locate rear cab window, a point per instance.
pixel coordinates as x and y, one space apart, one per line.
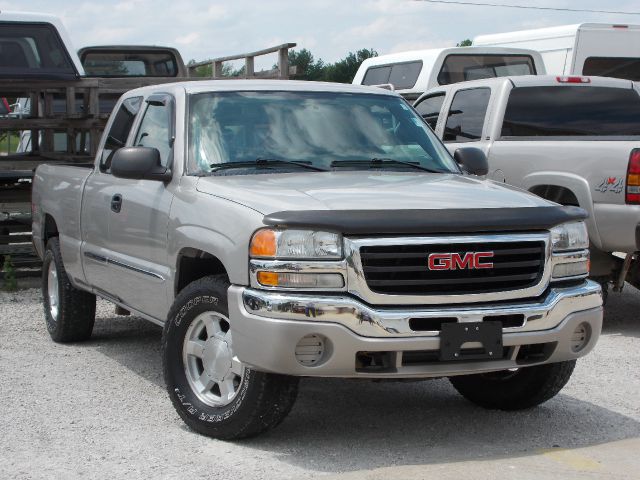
129 63
466 115
460 68
33 50
627 68
400 75
571 111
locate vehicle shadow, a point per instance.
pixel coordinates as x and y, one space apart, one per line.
345 425
621 313
133 342
340 425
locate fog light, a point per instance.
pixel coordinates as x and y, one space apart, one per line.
310 350
300 280
580 337
572 269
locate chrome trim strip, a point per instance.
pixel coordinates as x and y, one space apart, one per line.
297 266
110 261
357 285
387 322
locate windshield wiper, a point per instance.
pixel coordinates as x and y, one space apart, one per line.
380 162
263 163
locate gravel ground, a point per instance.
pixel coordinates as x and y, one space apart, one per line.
99 410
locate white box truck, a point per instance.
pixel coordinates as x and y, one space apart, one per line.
597 49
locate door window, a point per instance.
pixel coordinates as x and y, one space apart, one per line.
429 108
119 131
466 115
155 130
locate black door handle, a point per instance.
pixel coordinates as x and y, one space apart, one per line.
116 203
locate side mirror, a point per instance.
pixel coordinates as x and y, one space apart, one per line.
473 160
139 163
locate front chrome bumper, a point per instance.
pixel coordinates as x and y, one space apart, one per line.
268 325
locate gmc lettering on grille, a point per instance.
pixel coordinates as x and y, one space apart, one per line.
457 261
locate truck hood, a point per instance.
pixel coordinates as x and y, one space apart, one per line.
364 190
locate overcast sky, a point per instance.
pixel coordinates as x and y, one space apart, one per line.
329 28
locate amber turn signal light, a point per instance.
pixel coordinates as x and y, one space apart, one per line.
263 244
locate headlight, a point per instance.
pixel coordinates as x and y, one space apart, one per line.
294 244
569 236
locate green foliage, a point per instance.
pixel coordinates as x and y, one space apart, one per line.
308 67
464 43
341 71
10 280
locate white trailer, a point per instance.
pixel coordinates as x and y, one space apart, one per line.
597 49
414 72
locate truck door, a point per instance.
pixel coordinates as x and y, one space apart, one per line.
96 199
138 218
465 121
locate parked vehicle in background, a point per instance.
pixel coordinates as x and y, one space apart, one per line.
280 229
572 140
132 61
599 49
412 73
34 45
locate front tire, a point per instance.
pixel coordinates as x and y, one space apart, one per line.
214 393
515 389
69 312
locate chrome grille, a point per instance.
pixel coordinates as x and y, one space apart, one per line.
403 269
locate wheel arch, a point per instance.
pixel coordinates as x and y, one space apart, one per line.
566 189
193 264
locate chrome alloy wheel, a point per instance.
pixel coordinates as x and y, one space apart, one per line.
213 372
53 291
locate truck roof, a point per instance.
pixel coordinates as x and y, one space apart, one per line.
540 81
559 31
30 17
201 86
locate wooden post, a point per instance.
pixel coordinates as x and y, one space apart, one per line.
34 99
217 69
47 134
283 63
249 68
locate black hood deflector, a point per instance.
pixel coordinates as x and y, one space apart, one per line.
425 221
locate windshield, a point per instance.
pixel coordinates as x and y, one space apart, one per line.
321 129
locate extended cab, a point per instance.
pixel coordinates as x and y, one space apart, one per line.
572 140
280 229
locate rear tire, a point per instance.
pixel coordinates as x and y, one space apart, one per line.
214 393
515 390
70 313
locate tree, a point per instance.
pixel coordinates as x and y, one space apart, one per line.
464 43
344 70
308 67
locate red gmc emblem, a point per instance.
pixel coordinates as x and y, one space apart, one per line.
454 261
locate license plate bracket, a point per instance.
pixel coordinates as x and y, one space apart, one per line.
454 335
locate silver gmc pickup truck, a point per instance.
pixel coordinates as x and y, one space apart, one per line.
279 229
